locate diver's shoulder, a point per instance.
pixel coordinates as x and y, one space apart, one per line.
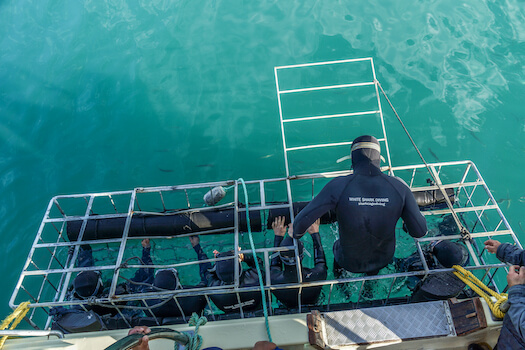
396 180
342 178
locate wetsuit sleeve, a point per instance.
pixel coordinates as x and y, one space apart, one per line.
276 260
319 257
325 201
248 259
412 217
320 268
145 275
250 277
517 308
511 254
212 280
146 256
85 256
203 267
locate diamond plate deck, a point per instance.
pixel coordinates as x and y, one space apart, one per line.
388 323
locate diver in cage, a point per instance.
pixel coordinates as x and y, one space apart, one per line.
89 284
223 274
283 269
368 205
168 280
438 254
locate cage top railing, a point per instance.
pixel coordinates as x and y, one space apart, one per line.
369 77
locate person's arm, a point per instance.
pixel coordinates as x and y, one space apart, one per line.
203 267
509 253
248 259
145 275
85 256
415 221
325 201
279 229
516 313
320 267
276 260
144 341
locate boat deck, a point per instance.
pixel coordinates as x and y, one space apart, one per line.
289 331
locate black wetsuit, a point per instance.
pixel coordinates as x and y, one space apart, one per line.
368 205
281 274
188 304
249 300
144 275
437 286
512 331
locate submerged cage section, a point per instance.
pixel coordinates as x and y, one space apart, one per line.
114 224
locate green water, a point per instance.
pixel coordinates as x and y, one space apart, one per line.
112 95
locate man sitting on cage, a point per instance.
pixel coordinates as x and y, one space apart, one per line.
223 274
283 269
438 254
368 205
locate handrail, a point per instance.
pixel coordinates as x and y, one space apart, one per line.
31 333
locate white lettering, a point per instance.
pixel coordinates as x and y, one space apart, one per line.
238 306
372 201
384 200
372 204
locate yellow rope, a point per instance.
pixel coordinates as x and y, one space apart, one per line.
14 319
479 287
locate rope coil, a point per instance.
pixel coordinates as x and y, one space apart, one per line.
195 342
498 308
14 319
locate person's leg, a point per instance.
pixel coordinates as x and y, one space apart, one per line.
368 287
338 270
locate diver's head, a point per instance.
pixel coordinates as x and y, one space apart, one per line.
288 256
225 269
449 253
366 149
88 284
167 279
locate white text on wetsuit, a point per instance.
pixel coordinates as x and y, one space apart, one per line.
369 201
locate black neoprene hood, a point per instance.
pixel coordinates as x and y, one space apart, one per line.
366 149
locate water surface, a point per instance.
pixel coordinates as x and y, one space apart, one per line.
110 95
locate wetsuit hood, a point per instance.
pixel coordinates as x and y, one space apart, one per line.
225 269
87 284
366 151
450 253
167 279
